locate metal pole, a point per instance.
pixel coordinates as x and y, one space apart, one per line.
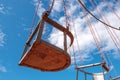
41 26
77 74
65 42
103 73
60 27
27 45
90 65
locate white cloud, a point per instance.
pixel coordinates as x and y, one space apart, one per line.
2 9
40 9
80 28
2 36
5 9
3 69
58 5
84 36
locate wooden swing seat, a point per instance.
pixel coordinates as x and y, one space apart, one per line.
45 57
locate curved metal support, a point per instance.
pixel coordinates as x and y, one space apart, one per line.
39 29
58 26
96 17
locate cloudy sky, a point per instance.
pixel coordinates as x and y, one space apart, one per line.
15 24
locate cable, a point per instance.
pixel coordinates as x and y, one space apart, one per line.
94 36
115 1
117 37
50 10
74 57
107 54
96 17
34 17
111 64
65 14
77 40
48 13
109 31
110 7
67 26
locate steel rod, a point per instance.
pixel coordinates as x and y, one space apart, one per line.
90 65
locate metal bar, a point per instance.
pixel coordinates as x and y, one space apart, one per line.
96 17
58 26
65 42
90 65
103 72
41 26
77 74
33 34
27 45
25 50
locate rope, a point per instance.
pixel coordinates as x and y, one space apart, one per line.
109 6
35 14
74 57
96 40
34 17
94 36
67 21
67 26
65 14
65 37
115 72
78 46
109 31
115 1
48 13
77 40
91 2
114 39
116 36
46 24
96 17
50 10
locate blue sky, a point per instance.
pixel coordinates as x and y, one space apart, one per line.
15 21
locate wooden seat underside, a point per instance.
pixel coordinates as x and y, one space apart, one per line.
45 57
